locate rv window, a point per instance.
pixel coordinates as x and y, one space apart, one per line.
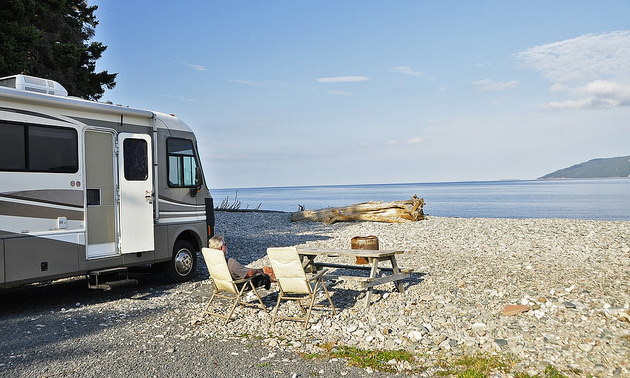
52 149
12 148
38 148
182 163
135 155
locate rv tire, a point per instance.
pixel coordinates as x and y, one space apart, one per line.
183 264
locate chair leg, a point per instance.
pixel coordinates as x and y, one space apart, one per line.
205 310
275 311
262 305
329 299
237 300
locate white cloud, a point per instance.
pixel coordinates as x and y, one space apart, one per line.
491 85
598 94
408 71
196 67
180 98
608 90
592 69
588 57
394 142
342 79
251 83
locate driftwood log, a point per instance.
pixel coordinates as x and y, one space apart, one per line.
390 212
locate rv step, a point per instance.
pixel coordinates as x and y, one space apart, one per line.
98 279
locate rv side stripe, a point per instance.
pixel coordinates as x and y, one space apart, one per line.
177 220
29 210
61 197
170 205
34 114
175 202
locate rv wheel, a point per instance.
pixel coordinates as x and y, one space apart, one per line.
182 266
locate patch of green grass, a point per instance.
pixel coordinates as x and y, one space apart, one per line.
552 372
469 366
310 356
474 366
481 366
374 359
264 364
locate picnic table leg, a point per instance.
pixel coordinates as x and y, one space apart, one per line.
308 263
396 270
373 271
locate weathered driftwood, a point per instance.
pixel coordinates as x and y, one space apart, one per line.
390 212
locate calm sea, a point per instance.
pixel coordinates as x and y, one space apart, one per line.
602 199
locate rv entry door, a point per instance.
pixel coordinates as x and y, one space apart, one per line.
136 193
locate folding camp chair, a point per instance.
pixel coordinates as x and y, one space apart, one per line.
225 286
295 284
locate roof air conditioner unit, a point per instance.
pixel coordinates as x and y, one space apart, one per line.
33 84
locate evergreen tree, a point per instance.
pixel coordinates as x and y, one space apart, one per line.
52 39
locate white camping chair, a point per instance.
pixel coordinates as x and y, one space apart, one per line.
225 286
295 284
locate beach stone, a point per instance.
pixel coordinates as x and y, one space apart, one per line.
510 310
415 335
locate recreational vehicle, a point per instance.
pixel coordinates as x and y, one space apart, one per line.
88 188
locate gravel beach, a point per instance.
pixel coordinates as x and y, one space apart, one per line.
568 278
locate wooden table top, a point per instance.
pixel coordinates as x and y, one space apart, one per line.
333 252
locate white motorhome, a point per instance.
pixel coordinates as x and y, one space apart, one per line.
89 187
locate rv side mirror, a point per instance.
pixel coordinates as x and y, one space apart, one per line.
198 176
198 182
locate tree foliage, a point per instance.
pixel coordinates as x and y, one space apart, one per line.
53 39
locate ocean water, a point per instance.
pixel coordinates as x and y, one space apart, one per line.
599 199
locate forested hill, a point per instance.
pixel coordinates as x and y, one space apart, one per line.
609 167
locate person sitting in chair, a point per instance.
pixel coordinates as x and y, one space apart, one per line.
238 270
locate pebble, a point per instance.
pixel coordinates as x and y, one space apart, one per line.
566 280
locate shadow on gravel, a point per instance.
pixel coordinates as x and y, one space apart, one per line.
62 321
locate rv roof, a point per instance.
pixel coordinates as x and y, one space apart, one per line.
12 94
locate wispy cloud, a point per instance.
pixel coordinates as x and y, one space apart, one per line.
251 83
342 79
408 71
588 57
592 69
395 142
491 85
180 98
196 67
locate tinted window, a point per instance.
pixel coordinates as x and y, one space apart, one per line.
52 149
12 147
135 155
38 148
182 162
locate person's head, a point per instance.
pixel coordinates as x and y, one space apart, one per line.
217 242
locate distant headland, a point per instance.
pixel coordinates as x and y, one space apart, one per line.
596 168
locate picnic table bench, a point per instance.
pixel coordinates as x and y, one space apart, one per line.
387 274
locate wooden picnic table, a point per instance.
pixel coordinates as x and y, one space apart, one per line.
374 257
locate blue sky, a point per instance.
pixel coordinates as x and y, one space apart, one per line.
289 93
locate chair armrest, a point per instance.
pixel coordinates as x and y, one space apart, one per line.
316 276
243 280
